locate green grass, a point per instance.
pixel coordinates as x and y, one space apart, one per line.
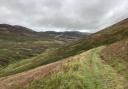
69 76
109 35
87 72
23 65
116 55
119 65
14 51
99 75
16 46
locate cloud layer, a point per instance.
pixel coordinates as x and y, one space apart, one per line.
61 15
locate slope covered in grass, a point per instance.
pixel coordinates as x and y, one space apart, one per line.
116 55
84 71
107 36
23 65
11 52
18 81
17 42
89 70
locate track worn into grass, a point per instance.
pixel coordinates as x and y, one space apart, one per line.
99 75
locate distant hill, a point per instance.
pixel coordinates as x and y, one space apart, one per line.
18 42
9 31
15 30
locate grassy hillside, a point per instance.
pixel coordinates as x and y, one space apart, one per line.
84 71
87 70
15 51
17 42
107 36
103 67
116 55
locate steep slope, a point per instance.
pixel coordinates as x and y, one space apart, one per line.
83 71
107 36
116 55
21 79
87 71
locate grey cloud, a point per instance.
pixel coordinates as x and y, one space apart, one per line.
91 15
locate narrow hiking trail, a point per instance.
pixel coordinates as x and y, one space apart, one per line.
99 75
92 72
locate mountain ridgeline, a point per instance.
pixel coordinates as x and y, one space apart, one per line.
20 32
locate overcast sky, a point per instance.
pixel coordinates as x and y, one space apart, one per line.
61 15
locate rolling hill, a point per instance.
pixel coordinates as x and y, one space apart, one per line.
96 61
17 42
